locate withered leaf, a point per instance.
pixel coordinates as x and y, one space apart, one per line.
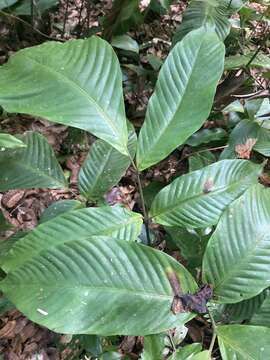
243 150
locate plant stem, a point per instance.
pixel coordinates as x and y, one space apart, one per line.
29 26
145 214
214 336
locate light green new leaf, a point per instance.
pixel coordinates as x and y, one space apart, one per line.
244 310
77 83
34 166
8 141
6 3
99 286
104 166
197 199
243 342
153 347
79 224
237 257
209 14
183 96
262 314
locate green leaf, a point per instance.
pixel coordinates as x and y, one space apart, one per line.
187 352
24 7
4 225
262 314
153 347
58 208
77 83
263 142
208 14
200 160
244 342
32 167
10 142
6 245
238 61
99 286
5 305
183 96
197 199
123 15
206 136
104 167
190 243
244 310
237 257
6 3
125 42
79 224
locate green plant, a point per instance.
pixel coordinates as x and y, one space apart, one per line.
84 270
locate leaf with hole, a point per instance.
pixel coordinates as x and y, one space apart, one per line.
34 166
78 83
183 96
237 258
96 286
197 199
78 224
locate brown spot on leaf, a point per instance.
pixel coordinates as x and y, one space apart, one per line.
174 282
208 186
243 150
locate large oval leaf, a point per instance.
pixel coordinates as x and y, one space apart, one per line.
77 83
33 166
99 286
79 224
198 199
242 342
183 96
209 14
237 257
104 166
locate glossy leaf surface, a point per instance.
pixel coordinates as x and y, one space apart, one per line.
10 142
33 166
237 257
77 83
104 166
183 96
97 286
79 224
197 199
243 342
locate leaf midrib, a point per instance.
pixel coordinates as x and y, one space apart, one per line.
160 134
88 287
82 91
231 344
244 259
202 194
